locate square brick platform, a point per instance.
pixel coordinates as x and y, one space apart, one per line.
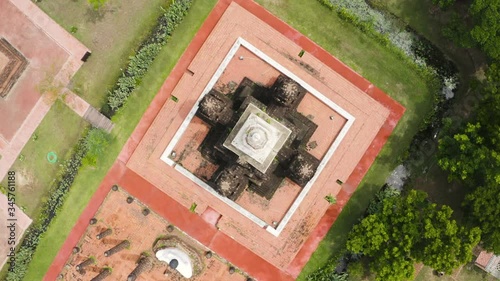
141 172
369 116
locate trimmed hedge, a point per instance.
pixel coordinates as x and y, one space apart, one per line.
50 209
139 63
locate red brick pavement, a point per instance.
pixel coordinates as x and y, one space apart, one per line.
193 224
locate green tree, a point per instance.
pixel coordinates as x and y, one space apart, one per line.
411 229
392 266
465 155
472 155
486 30
96 142
443 244
483 209
458 31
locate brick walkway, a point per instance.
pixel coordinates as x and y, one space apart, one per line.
201 227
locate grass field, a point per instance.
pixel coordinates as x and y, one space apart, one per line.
112 34
88 179
381 67
58 132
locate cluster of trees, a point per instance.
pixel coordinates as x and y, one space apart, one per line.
410 229
399 231
479 27
471 153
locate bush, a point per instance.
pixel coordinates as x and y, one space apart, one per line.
322 275
97 4
139 63
50 209
96 142
376 204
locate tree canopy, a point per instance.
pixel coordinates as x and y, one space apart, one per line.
480 26
472 155
484 209
410 229
486 30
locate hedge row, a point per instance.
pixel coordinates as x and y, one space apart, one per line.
139 63
56 198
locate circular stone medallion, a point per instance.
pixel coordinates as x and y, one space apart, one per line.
256 137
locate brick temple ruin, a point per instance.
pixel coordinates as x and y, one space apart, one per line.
257 137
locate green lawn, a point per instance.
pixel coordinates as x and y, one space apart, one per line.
58 132
88 179
112 34
382 68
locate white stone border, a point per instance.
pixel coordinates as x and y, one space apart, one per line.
350 120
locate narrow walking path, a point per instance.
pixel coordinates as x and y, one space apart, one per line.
94 117
86 111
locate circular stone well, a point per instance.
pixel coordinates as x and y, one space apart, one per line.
183 265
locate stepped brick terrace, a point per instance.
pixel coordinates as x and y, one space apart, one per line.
268 238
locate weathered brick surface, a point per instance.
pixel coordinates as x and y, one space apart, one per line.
128 223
